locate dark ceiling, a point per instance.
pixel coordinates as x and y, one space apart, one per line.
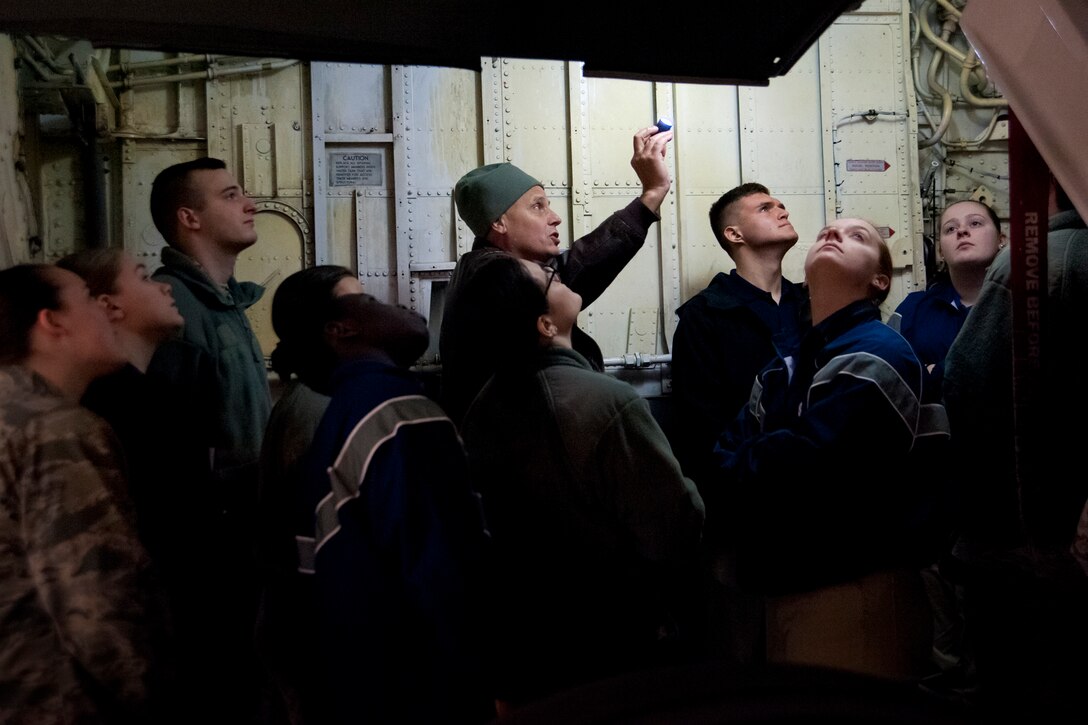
743 43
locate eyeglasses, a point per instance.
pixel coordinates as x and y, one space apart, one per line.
551 273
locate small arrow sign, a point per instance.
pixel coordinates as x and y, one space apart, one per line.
886 232
867 165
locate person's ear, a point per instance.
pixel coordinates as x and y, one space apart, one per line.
1001 241
113 312
546 327
882 282
188 218
497 233
733 234
50 324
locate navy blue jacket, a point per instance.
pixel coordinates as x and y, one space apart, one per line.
393 534
930 320
726 334
824 467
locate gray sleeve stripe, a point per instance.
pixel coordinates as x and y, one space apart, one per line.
305 546
350 468
876 370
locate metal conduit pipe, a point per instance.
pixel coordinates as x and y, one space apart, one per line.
946 97
969 95
916 63
940 42
43 73
630 361
207 74
104 81
84 122
45 54
946 118
929 117
164 62
982 137
952 9
948 26
636 360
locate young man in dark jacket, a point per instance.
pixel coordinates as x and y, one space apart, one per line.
724 337
217 365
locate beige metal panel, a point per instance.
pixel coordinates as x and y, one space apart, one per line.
282 248
257 124
256 173
357 99
780 146
668 232
17 216
438 113
238 106
375 243
170 109
63 203
341 249
614 111
141 162
535 132
808 214
351 114
221 129
351 106
780 131
436 131
707 152
869 136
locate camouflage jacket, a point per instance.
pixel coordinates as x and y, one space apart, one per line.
75 612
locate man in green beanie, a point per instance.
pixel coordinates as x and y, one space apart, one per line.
510 214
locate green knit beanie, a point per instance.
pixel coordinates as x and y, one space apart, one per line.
484 194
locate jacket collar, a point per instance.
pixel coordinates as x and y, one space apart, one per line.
836 324
727 291
185 268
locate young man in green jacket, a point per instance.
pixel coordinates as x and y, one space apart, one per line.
217 365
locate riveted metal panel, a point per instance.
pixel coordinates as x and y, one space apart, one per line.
174 109
524 121
256 176
581 199
707 151
351 109
366 108
282 248
669 233
141 162
534 119
780 131
869 129
642 328
374 242
220 121
18 223
440 141
614 110
781 148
